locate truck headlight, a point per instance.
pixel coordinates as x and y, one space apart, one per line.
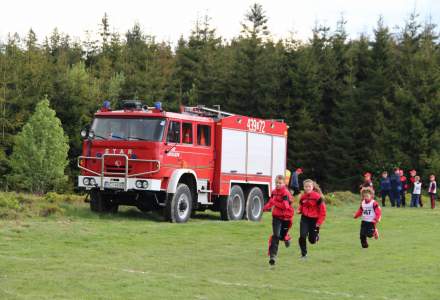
138 184
145 184
86 181
92 181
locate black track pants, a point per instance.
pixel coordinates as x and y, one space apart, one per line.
367 231
307 228
280 229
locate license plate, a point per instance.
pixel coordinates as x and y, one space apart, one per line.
114 185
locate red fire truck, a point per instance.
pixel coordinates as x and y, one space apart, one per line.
197 159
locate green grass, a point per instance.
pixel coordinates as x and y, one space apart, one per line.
80 255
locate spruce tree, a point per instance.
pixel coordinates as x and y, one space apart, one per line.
40 150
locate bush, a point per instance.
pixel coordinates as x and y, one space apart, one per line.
16 205
341 198
9 201
61 198
48 209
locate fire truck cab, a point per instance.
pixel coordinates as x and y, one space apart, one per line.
197 159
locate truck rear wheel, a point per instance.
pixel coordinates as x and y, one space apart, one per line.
101 203
254 205
232 208
179 205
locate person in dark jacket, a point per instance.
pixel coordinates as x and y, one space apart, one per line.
313 212
396 188
294 183
282 217
385 188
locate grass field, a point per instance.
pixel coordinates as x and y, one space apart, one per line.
132 255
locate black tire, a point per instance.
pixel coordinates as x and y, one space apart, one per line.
232 208
254 205
101 203
179 205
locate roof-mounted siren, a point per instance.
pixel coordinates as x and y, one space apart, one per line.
106 106
157 106
132 105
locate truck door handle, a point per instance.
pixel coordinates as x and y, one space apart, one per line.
259 173
233 171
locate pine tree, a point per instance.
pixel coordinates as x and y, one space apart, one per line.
39 155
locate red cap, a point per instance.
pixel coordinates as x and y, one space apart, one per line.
299 171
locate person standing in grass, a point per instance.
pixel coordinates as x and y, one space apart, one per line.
294 183
385 187
404 187
412 179
368 182
416 192
313 212
432 190
371 214
396 187
282 217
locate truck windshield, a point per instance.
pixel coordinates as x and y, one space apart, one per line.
142 129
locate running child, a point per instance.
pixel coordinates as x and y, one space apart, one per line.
313 211
371 214
282 217
432 190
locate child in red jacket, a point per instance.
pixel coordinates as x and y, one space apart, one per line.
313 211
371 214
282 217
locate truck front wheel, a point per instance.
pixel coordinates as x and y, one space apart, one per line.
232 208
179 205
101 203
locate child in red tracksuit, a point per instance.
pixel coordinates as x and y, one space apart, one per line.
371 214
313 211
282 217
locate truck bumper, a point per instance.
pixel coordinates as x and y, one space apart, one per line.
118 183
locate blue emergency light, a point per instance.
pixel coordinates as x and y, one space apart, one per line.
158 105
106 105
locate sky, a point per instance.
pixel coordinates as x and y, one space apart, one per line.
168 20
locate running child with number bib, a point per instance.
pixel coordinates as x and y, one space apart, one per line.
282 217
371 214
313 211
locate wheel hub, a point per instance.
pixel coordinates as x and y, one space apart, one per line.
236 205
256 206
182 206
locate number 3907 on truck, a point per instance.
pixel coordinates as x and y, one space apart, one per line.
197 159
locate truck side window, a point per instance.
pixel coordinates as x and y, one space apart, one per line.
187 133
174 132
203 135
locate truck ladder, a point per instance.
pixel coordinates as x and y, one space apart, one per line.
201 110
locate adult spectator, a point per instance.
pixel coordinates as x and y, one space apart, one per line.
396 188
385 188
294 183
